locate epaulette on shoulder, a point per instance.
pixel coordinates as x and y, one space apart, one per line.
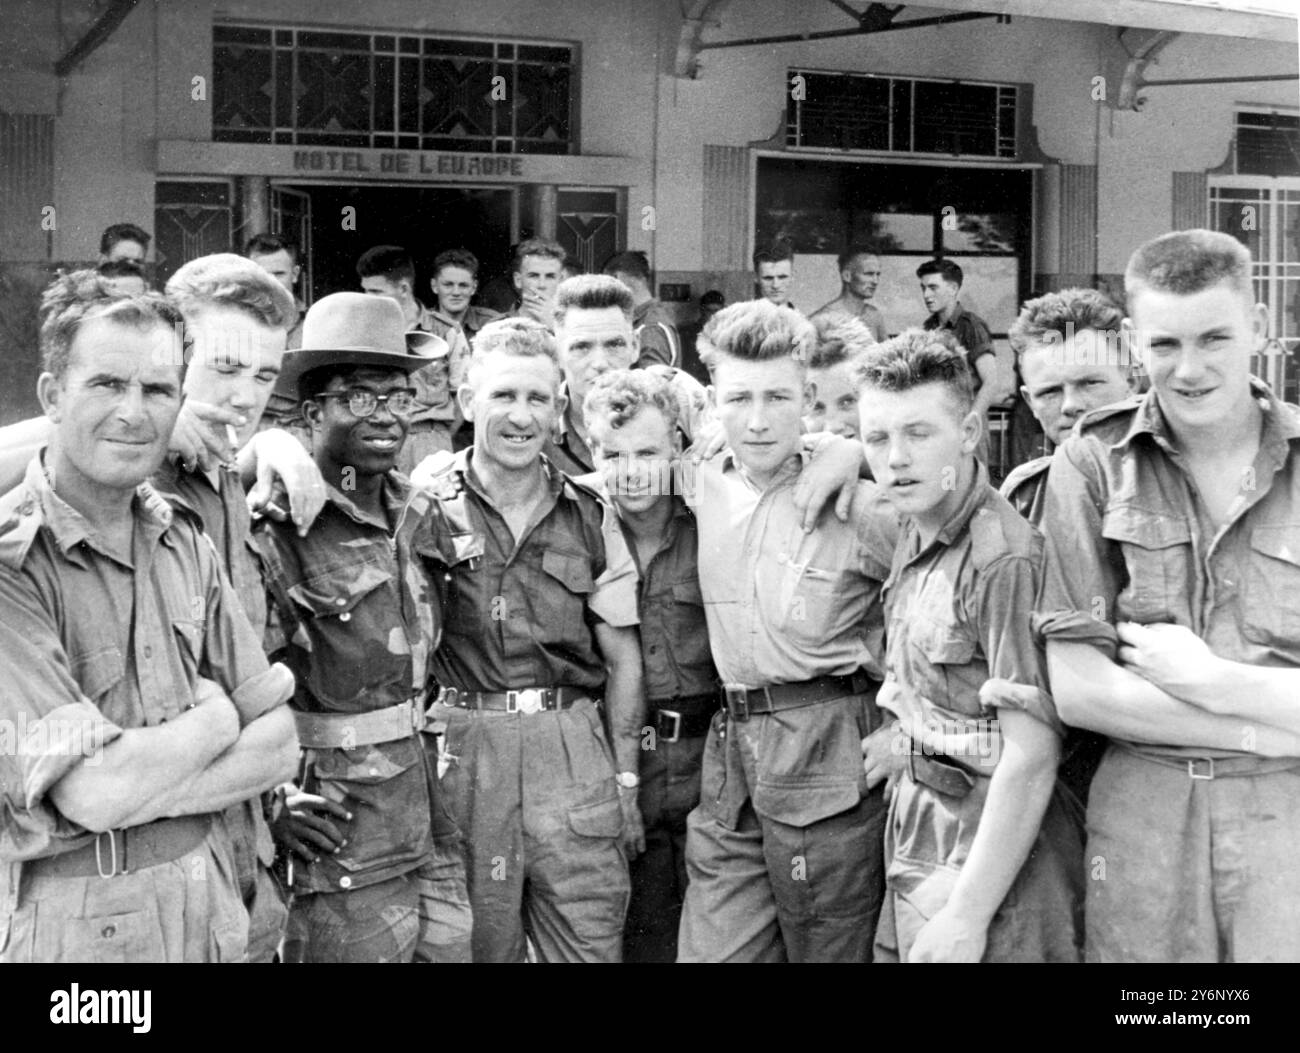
20 519
1024 473
579 485
1110 414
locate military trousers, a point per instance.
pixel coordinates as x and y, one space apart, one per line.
1183 869
784 853
536 802
670 788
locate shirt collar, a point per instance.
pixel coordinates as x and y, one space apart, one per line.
971 500
464 467
1281 422
70 528
789 471
393 493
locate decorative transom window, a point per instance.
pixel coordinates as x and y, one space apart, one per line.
911 115
411 92
1268 143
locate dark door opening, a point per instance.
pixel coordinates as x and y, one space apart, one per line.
423 220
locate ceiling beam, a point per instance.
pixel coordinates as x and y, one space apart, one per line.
862 30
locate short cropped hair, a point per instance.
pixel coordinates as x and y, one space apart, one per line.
946 269
123 232
618 396
915 357
537 247
269 245
843 339
852 253
226 280
774 252
387 261
756 331
591 292
462 258
513 336
1057 316
713 298
1188 261
75 298
634 264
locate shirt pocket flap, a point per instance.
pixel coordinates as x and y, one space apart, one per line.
1136 526
341 590
1279 541
688 592
574 572
601 819
804 803
943 645
97 671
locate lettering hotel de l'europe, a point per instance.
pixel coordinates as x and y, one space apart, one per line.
410 162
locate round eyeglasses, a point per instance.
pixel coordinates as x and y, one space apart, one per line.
363 403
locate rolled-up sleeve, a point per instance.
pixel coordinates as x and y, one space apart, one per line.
1017 670
1082 574
47 724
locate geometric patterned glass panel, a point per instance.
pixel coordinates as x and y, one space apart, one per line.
190 220
589 224
309 87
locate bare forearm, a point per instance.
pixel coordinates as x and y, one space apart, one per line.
625 699
1013 812
144 766
265 755
1262 695
1093 692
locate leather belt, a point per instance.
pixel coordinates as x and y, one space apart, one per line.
346 730
686 717
939 774
117 852
1207 768
742 702
520 700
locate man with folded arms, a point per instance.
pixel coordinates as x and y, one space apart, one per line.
147 704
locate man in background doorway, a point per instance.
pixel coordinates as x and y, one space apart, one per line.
537 272
859 279
655 331
774 272
454 283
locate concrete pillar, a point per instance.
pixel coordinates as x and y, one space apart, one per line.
255 206
546 198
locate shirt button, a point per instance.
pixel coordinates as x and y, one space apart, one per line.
340 602
346 616
109 932
148 651
345 882
374 771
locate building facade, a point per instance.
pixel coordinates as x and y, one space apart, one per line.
1022 143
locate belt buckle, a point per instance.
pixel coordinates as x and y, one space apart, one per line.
529 700
1194 761
676 720
99 858
737 698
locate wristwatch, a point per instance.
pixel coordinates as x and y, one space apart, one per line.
627 780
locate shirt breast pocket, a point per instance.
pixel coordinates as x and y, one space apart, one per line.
811 603
1156 550
946 652
97 671
564 608
1271 597
342 642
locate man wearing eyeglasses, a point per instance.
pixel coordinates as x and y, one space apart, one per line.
379 877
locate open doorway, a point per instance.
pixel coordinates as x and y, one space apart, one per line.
423 220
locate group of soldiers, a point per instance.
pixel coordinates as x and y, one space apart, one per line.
647 671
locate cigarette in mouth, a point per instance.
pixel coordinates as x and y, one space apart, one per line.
233 436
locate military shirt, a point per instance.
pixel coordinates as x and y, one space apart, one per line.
223 513
674 631
660 344
959 613
359 618
92 644
972 334
784 605
1025 486
520 614
1127 539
